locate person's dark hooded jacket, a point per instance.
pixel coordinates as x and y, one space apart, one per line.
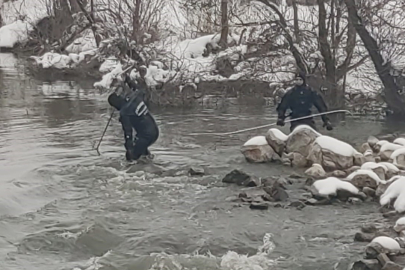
300 100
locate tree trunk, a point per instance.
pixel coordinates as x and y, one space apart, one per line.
392 97
136 21
296 23
334 94
224 24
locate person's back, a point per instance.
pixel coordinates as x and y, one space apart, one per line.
134 114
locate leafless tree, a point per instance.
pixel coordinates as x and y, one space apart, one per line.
381 27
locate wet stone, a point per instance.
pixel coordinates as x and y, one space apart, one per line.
313 201
363 237
392 266
238 177
297 204
369 191
369 228
354 200
296 176
259 206
196 171
366 265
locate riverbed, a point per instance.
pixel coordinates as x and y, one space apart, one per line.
64 207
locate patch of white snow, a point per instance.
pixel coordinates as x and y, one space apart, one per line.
387 242
258 140
13 33
279 134
400 141
331 185
395 191
335 146
373 165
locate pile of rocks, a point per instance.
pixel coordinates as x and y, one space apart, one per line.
384 248
337 170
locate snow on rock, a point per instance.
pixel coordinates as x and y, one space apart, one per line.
380 169
383 187
108 78
365 147
400 141
335 146
365 178
398 157
258 140
277 140
369 156
13 33
387 243
257 150
332 154
372 141
391 169
379 144
387 149
396 191
301 139
400 225
316 171
331 185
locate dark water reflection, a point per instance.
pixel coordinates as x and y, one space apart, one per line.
61 204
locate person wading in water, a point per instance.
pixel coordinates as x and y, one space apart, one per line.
134 114
300 100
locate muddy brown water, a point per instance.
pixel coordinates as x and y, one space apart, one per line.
63 207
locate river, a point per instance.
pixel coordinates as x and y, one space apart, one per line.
64 207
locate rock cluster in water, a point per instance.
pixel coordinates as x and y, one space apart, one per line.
337 171
384 249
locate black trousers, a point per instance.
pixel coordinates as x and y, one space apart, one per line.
310 122
141 146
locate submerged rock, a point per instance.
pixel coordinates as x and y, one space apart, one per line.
240 178
196 171
370 264
257 150
259 206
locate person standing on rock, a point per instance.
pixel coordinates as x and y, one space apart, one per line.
300 100
134 114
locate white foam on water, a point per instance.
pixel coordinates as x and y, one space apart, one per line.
229 261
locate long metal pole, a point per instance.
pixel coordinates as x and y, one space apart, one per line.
269 125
